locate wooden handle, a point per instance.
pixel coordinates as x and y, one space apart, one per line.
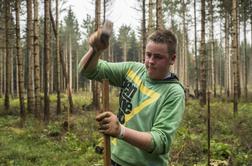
105 98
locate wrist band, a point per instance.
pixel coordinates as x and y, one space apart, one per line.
122 132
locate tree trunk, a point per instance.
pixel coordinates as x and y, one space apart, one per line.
159 15
20 64
221 60
235 55
51 70
227 56
11 65
239 79
203 56
4 67
64 67
42 71
125 52
150 18
58 59
76 71
46 61
36 60
7 45
70 80
196 92
95 84
1 72
143 32
245 54
212 60
30 95
184 47
16 70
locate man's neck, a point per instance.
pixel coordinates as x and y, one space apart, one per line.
168 75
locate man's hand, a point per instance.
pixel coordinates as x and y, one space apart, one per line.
95 41
99 40
108 124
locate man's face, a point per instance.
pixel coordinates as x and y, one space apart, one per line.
157 60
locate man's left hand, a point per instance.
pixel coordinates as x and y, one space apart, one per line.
108 124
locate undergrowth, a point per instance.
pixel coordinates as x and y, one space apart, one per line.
71 140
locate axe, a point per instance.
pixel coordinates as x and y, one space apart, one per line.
102 39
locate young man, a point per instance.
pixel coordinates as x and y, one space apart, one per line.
151 101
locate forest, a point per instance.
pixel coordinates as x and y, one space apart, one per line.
48 107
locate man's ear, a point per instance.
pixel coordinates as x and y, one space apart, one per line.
173 58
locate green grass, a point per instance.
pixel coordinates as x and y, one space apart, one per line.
230 137
37 144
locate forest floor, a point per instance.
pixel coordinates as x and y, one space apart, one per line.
73 139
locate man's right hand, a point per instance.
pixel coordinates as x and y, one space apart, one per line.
96 42
99 40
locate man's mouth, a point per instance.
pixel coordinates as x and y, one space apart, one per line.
151 68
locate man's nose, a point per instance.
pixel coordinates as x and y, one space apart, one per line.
151 59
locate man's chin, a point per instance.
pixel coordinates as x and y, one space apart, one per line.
152 76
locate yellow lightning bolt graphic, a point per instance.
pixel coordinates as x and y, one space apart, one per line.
153 96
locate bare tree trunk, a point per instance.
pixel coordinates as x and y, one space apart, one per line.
212 60
16 74
1 72
245 54
178 59
7 71
227 56
36 60
239 78
125 52
196 92
66 64
11 66
70 79
150 17
76 71
46 61
65 74
203 56
184 47
95 84
51 70
20 64
235 55
4 68
42 71
220 60
31 99
143 32
58 59
159 15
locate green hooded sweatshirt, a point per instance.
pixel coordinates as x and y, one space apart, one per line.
146 105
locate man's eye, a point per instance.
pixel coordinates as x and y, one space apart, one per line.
148 54
158 57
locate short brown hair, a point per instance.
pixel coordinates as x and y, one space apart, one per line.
167 37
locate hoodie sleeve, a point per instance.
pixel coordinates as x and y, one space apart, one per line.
114 72
168 120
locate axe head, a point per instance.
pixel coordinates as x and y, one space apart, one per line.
106 31
99 41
